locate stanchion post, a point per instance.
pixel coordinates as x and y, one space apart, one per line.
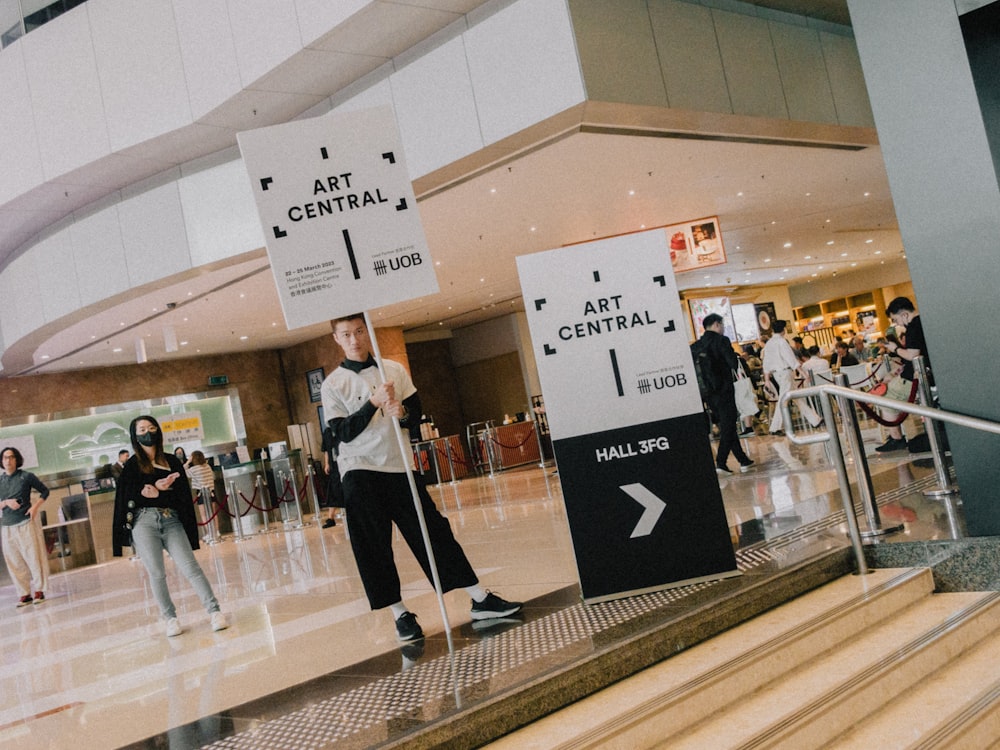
932 428
853 531
311 491
262 494
207 518
235 511
295 498
451 463
538 439
434 458
855 444
488 444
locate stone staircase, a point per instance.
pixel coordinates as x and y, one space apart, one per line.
861 662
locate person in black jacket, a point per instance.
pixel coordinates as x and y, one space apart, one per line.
722 398
153 506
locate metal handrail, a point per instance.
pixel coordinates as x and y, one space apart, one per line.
827 393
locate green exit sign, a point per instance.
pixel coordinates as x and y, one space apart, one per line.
218 380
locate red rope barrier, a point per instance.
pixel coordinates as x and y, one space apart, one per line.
512 447
213 516
902 415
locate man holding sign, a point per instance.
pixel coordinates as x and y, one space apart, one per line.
360 407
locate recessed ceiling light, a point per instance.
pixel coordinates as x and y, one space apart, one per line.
45 356
184 343
117 349
787 244
853 265
830 242
767 260
781 278
244 338
784 270
631 192
809 257
868 242
808 194
532 229
739 194
867 194
878 252
493 190
815 275
843 255
820 268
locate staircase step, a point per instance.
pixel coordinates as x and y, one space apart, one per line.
956 708
812 705
700 681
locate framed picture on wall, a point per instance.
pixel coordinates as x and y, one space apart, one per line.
314 378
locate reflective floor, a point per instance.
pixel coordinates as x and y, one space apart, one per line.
306 664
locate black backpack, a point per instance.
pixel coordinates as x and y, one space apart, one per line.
708 380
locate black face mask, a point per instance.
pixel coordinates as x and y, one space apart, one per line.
147 438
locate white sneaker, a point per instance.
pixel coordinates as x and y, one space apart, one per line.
219 621
173 627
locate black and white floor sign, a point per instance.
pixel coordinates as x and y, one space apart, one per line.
340 220
631 441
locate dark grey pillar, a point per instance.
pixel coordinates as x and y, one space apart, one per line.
944 185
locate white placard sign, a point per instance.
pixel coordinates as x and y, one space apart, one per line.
628 430
608 333
340 219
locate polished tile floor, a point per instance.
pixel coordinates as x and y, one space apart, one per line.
306 664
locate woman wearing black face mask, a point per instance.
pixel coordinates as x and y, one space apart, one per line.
153 507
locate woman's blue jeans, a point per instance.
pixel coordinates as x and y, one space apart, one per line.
156 530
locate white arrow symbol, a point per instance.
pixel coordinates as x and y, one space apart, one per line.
653 508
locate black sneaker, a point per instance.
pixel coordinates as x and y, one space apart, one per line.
747 432
407 627
329 523
493 606
723 471
412 652
892 444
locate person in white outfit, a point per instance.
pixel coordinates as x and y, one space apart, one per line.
780 364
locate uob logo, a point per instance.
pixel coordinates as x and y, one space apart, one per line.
405 261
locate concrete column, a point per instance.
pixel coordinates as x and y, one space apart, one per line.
944 185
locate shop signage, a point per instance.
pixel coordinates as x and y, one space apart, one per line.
629 434
339 216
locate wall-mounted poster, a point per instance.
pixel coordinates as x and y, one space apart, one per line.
765 316
745 319
702 306
315 380
696 244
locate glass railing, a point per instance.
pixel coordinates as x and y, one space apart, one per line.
18 17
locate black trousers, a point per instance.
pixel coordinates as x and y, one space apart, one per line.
724 406
376 500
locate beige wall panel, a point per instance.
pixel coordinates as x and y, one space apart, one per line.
751 70
847 82
257 376
617 52
803 73
689 56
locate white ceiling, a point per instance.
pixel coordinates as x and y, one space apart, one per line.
789 214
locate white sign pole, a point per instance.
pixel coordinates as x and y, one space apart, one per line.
404 447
